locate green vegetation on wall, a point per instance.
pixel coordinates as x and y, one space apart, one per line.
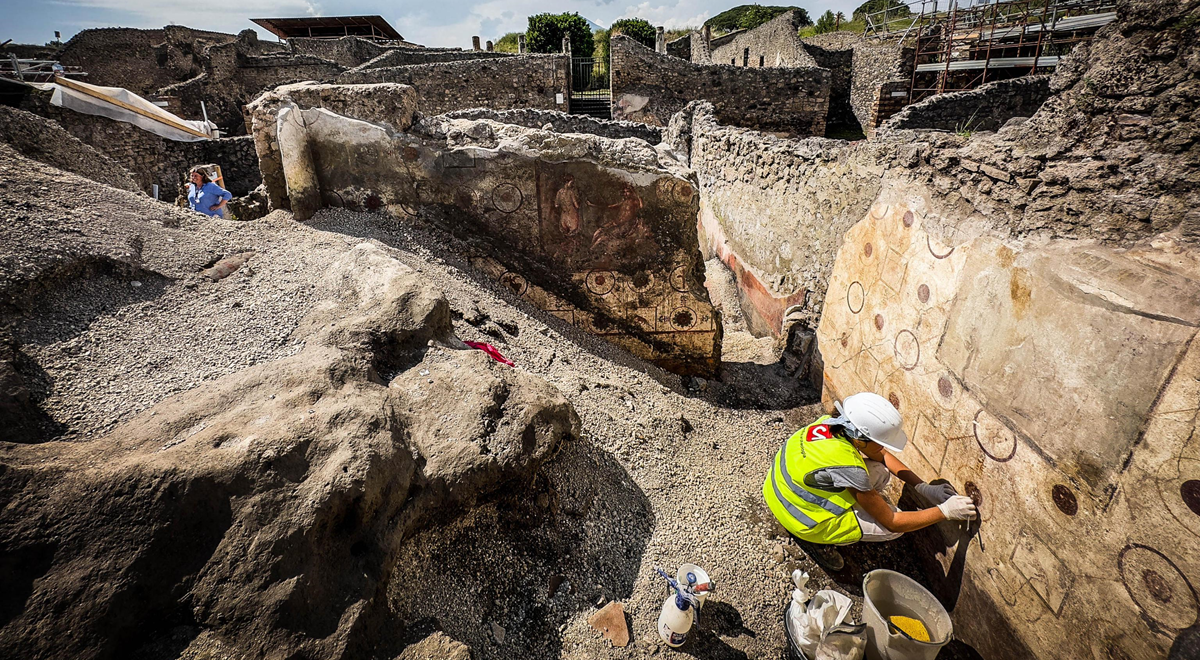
637 28
507 43
872 6
746 17
545 34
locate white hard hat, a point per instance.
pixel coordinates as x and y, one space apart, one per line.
876 417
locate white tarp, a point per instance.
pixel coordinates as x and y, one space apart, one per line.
96 100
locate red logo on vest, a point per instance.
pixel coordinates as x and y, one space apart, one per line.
818 432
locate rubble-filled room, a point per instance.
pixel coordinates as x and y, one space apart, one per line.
488 331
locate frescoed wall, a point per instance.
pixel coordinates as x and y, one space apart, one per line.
1058 383
597 231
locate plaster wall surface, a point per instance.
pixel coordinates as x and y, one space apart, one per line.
524 81
774 43
597 231
650 87
1054 381
774 210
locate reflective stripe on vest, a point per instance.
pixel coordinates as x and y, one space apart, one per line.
807 496
810 513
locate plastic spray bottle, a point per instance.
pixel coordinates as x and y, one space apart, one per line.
679 611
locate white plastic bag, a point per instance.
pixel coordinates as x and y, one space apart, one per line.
821 630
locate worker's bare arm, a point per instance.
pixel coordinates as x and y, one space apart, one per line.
890 461
896 521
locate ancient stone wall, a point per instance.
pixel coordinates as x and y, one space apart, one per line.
840 62
774 210
1028 300
347 52
774 43
410 56
649 87
561 122
874 64
598 232
141 61
681 47
152 159
525 81
985 108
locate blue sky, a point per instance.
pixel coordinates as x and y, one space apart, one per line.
448 23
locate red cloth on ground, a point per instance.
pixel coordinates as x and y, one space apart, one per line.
492 352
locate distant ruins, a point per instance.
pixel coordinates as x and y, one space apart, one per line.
1007 248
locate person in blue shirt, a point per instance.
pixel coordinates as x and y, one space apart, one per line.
205 196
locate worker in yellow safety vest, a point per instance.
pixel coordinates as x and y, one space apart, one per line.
824 483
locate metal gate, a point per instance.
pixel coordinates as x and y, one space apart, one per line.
590 92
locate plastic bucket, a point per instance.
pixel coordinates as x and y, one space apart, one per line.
887 594
792 650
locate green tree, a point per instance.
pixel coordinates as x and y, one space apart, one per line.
600 38
545 34
898 9
826 23
507 43
638 29
747 17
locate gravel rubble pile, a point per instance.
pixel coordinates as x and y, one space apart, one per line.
104 297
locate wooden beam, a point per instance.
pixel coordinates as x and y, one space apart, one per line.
71 84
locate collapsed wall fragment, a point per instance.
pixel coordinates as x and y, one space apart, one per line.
597 231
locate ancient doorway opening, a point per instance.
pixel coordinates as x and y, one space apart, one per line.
591 93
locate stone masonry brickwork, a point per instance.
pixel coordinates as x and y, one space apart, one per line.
561 122
774 210
152 159
524 81
409 56
681 47
650 87
985 108
774 43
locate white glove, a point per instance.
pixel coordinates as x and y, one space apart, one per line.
936 493
958 507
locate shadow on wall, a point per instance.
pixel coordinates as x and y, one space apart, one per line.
538 559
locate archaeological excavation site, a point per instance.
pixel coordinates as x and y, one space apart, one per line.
776 341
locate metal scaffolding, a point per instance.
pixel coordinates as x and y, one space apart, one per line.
964 44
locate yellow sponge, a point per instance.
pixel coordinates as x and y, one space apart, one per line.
911 627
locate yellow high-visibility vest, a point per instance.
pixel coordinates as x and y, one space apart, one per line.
812 514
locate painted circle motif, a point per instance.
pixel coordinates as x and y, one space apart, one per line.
601 282
971 490
642 281
879 321
945 388
410 154
1158 587
929 244
678 281
1190 492
868 249
994 438
908 218
683 318
408 208
907 349
1064 499
683 191
514 282
507 198
856 297
894 399
923 293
